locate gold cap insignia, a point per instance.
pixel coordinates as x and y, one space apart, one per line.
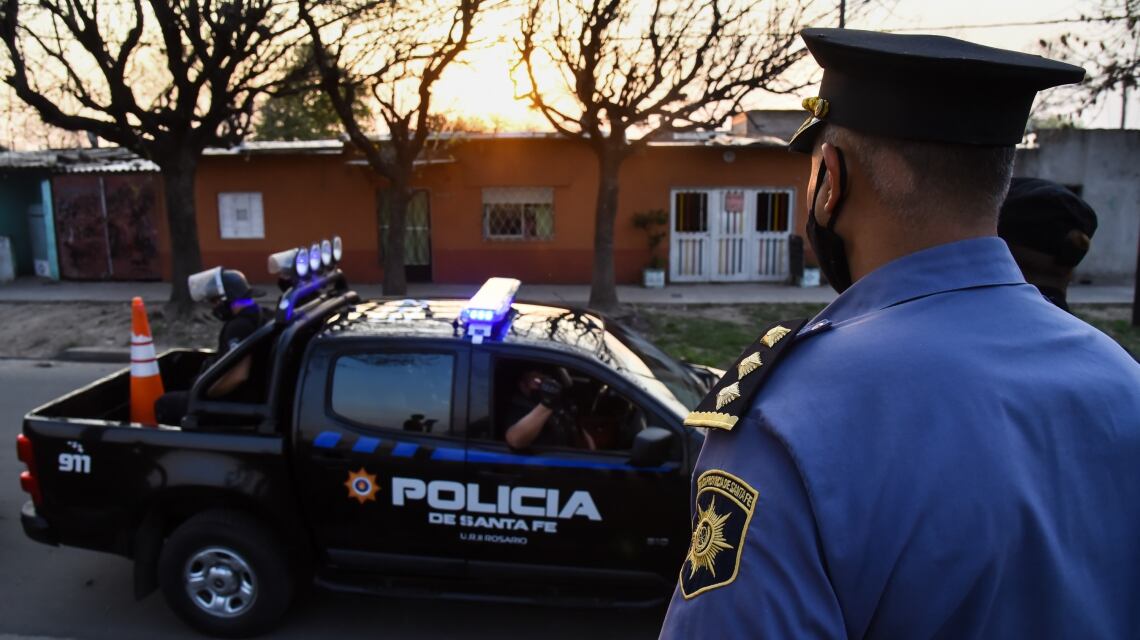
817 106
727 394
748 365
774 335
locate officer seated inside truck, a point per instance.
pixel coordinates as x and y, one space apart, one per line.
543 406
232 301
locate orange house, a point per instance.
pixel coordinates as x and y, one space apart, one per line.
518 205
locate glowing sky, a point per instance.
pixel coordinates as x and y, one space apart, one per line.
483 88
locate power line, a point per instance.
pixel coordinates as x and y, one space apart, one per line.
993 25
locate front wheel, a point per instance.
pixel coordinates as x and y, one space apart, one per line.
225 575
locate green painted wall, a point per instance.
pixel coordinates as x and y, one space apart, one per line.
17 192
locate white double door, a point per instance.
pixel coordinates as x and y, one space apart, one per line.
715 235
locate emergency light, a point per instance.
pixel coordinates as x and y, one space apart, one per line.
281 263
301 263
487 313
315 258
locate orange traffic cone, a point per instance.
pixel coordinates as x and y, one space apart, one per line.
146 383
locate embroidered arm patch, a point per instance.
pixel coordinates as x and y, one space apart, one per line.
722 512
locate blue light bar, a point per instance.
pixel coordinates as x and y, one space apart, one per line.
488 308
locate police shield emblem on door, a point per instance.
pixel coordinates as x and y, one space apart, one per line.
721 516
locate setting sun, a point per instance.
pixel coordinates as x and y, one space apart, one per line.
482 89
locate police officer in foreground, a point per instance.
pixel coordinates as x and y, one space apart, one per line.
1049 230
941 451
232 301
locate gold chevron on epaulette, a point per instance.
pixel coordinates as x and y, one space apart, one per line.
731 396
711 419
774 335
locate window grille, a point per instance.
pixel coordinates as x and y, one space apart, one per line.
692 209
240 215
518 213
772 210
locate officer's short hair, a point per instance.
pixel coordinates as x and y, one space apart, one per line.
919 180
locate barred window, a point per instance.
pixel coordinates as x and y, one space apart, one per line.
518 213
773 210
692 208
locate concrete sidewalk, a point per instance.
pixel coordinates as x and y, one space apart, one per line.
39 290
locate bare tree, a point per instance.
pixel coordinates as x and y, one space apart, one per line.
163 78
1108 47
627 67
408 47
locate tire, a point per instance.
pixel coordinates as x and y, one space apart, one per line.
242 583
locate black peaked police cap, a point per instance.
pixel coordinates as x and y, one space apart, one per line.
1049 218
924 88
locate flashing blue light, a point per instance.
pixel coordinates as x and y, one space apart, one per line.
315 258
301 266
488 308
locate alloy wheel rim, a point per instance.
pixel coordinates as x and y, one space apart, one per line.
220 582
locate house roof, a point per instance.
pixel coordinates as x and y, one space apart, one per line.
97 160
315 147
120 160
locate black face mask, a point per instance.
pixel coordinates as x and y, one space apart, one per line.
827 244
222 311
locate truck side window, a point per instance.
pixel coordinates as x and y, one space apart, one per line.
589 414
402 391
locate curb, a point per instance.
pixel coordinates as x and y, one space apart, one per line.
95 354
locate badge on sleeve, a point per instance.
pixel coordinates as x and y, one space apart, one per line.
730 398
722 512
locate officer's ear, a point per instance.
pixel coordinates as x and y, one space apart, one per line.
833 178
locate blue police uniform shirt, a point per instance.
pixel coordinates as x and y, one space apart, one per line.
952 457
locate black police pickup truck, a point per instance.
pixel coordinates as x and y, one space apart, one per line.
377 461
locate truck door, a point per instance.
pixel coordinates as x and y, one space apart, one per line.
571 513
374 417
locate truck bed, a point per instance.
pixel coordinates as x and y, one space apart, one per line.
108 399
101 474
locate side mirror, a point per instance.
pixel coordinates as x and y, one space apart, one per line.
651 447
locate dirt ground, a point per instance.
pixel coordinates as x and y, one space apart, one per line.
711 334
46 329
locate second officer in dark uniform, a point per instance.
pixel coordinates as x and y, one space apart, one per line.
1049 230
233 302
941 452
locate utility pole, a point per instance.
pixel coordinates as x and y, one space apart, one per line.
1136 291
843 19
1123 103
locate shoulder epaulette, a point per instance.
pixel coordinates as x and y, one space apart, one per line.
731 397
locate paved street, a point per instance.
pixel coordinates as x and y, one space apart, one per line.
71 593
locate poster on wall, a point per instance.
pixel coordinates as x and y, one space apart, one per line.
734 201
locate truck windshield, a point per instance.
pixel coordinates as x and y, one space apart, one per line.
654 369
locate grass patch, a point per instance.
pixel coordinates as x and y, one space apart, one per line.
710 334
716 334
1115 320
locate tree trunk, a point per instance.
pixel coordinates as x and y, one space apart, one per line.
395 277
178 174
603 287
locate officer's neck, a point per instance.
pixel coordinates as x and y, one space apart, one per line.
885 239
